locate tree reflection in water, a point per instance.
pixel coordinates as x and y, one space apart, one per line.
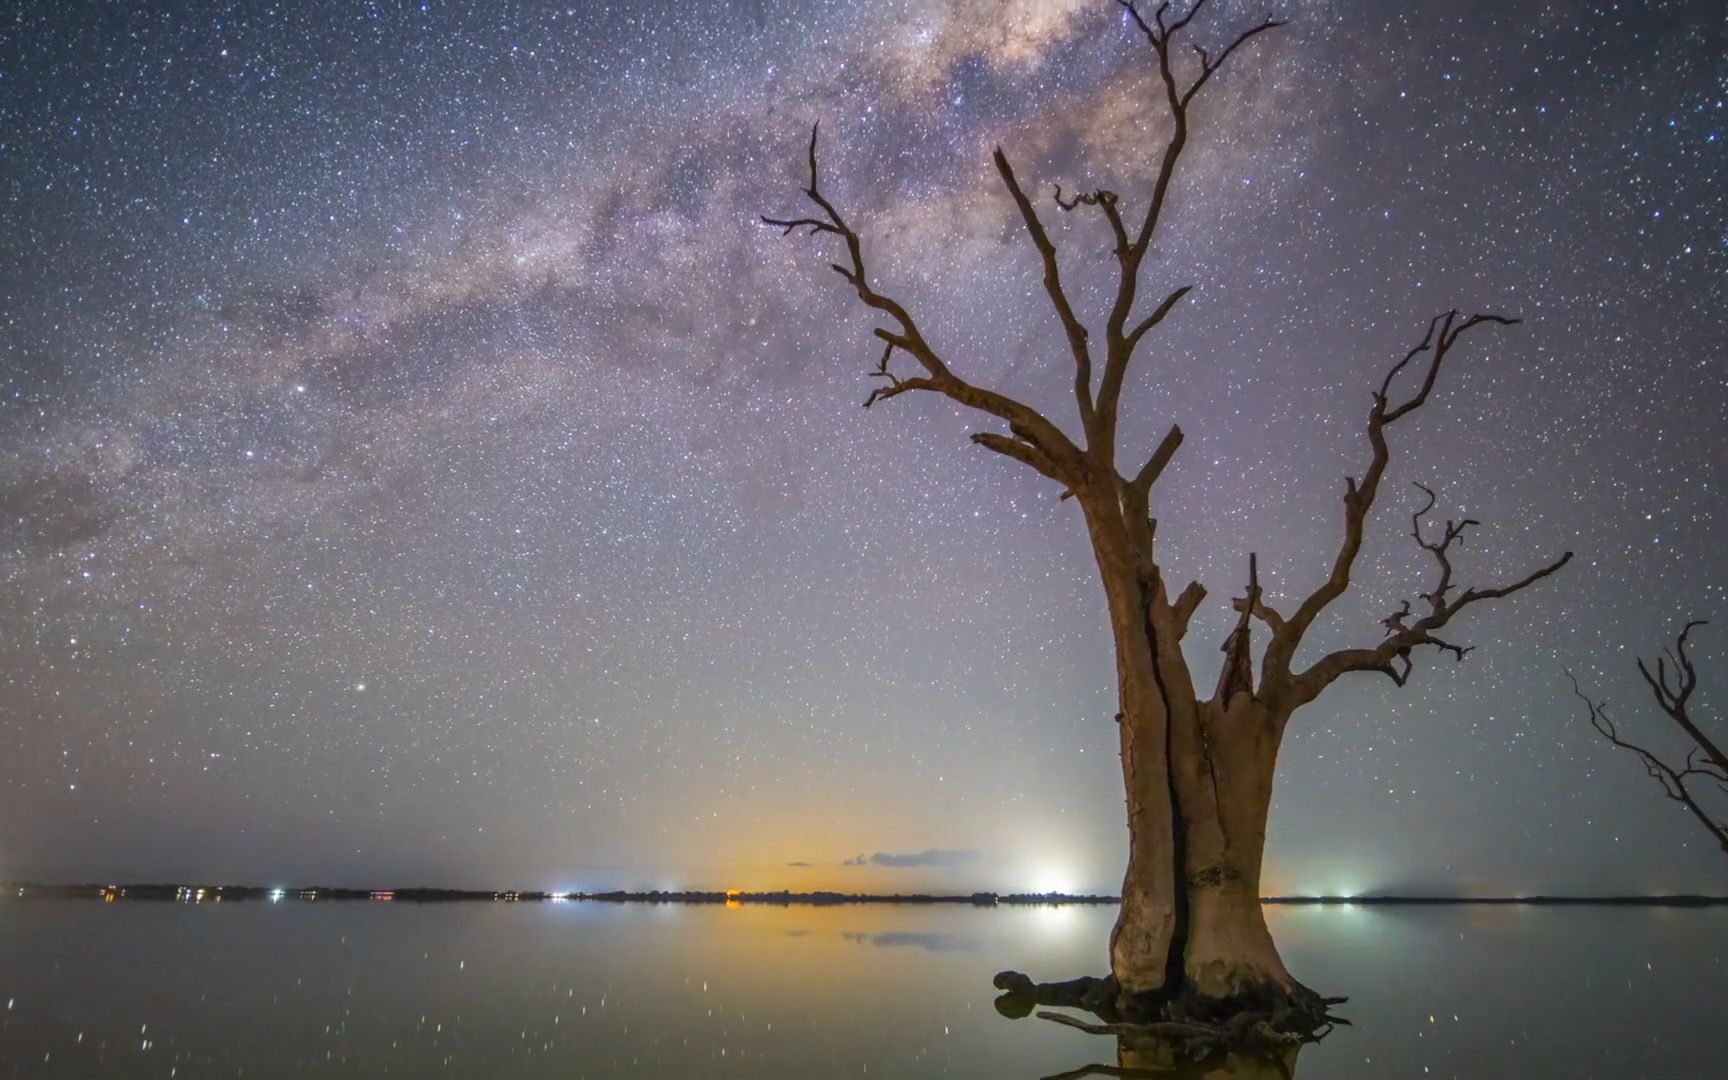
1164 1050
1160 1059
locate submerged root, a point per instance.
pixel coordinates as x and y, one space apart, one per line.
1264 1020
1021 995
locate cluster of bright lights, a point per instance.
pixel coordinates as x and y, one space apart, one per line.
1051 878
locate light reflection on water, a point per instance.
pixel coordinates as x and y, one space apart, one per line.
597 990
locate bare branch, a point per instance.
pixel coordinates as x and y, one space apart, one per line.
1673 693
1450 331
1208 66
1017 449
1404 631
1161 36
1123 343
1133 10
1131 249
1186 19
1438 548
1472 596
1106 201
1443 333
1457 651
1261 610
1157 316
1669 694
1186 604
1071 324
1675 782
1109 203
792 224
896 385
906 336
1160 459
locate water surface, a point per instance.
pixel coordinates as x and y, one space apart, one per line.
597 990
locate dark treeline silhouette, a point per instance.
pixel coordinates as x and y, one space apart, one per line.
785 898
424 894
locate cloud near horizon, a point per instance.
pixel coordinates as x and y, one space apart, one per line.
927 857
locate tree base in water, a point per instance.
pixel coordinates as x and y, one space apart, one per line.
1266 1019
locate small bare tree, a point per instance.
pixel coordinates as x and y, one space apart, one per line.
1671 684
1198 768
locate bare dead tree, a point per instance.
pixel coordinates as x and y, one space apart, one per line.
1672 684
1190 941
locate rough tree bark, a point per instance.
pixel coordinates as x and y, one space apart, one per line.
1705 764
1191 941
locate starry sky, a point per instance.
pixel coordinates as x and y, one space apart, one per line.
418 464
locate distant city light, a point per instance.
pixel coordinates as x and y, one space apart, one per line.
1053 879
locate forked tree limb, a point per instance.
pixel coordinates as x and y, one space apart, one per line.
1359 495
1161 35
1132 245
1072 327
1675 781
1209 66
895 385
1441 548
1261 610
1673 688
1045 436
1158 315
1392 656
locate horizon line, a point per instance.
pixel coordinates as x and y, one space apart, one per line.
196 893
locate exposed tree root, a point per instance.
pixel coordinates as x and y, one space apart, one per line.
1128 1072
1096 996
1265 1021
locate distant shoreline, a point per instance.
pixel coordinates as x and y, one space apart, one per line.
160 893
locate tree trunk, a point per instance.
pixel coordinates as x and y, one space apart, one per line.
1145 946
1224 765
1198 779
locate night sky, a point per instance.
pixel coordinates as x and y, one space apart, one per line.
418 464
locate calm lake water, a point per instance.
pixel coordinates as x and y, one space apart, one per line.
598 990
